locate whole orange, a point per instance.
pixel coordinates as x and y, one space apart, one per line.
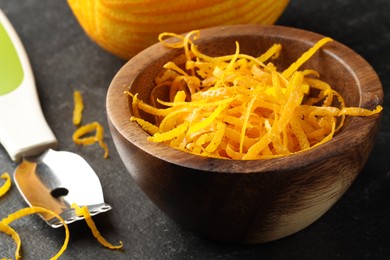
125 27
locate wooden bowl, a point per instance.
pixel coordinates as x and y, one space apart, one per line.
257 200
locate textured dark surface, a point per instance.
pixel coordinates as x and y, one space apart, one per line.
64 59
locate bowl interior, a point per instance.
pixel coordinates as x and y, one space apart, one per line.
337 65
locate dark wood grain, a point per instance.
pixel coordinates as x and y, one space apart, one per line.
248 201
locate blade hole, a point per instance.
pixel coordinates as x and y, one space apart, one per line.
59 192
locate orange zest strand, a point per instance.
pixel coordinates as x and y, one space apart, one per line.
81 131
6 185
4 227
306 56
81 136
241 107
14 235
78 108
83 211
148 127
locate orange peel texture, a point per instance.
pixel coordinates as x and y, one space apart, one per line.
124 28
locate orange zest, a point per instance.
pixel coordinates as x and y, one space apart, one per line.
6 185
83 211
78 108
82 135
14 235
5 222
241 107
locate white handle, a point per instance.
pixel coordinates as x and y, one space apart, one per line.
23 128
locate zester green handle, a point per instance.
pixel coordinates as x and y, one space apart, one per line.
23 128
11 71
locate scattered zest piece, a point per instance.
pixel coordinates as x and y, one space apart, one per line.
81 137
15 236
78 108
88 128
241 107
7 184
4 227
83 211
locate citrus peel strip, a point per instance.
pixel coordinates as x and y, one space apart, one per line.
305 57
83 211
7 184
78 108
94 127
80 136
14 235
29 211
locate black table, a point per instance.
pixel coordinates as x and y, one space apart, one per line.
65 59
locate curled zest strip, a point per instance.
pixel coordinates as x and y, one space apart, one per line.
15 236
83 211
88 128
4 227
7 184
79 136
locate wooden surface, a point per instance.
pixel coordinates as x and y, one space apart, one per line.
64 59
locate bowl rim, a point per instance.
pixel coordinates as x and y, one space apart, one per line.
371 94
